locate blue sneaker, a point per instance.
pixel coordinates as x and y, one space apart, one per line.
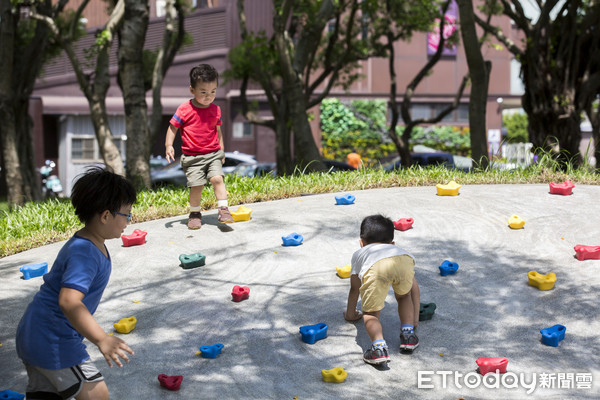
376 355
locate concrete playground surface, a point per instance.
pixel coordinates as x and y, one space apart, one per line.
486 309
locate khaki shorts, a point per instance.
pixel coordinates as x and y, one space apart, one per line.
199 169
63 383
398 271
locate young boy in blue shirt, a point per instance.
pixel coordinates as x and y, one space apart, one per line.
50 334
378 264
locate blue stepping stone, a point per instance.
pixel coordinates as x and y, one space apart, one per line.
448 268
211 351
345 199
293 239
312 333
32 270
551 336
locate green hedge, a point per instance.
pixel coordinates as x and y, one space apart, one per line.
361 126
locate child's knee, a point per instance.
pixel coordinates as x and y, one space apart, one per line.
400 297
216 180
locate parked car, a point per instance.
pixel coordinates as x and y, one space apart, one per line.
334 166
424 160
157 162
172 174
235 158
256 169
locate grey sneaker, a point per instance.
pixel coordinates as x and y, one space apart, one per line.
195 220
225 216
376 355
408 341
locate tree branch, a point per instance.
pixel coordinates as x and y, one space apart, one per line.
497 32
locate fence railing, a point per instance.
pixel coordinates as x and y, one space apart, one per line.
518 153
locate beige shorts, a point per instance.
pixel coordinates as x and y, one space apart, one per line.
398 271
199 169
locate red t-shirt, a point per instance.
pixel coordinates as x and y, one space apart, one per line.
198 128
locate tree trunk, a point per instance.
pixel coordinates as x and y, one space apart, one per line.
108 149
305 150
172 42
24 128
479 72
401 143
8 133
94 85
283 149
132 35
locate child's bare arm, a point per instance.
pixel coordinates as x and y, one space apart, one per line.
221 143
169 150
71 304
352 314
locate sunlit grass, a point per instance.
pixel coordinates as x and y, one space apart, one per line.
36 224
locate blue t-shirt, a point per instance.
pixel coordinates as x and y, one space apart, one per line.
45 338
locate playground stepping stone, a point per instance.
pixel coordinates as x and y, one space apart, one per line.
403 224
336 375
189 261
125 325
312 333
211 351
241 214
345 271
551 336
170 382
426 311
541 281
293 239
448 268
33 270
11 395
491 364
240 293
516 222
345 199
450 189
136 238
563 189
587 252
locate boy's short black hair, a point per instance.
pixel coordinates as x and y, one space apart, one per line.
98 190
377 229
203 73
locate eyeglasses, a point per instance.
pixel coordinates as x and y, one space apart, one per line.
128 216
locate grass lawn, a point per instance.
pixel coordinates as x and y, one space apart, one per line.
37 224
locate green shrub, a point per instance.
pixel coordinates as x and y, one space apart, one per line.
449 139
359 126
516 128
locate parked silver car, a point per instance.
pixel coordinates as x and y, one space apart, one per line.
172 174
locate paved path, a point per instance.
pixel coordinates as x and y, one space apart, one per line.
486 309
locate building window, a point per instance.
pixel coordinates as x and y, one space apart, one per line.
160 8
418 111
331 25
438 108
242 130
83 148
463 113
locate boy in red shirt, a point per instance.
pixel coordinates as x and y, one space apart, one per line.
203 151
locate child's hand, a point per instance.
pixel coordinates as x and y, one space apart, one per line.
353 317
170 153
112 348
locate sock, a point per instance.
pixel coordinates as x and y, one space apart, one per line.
195 209
379 343
408 329
222 203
